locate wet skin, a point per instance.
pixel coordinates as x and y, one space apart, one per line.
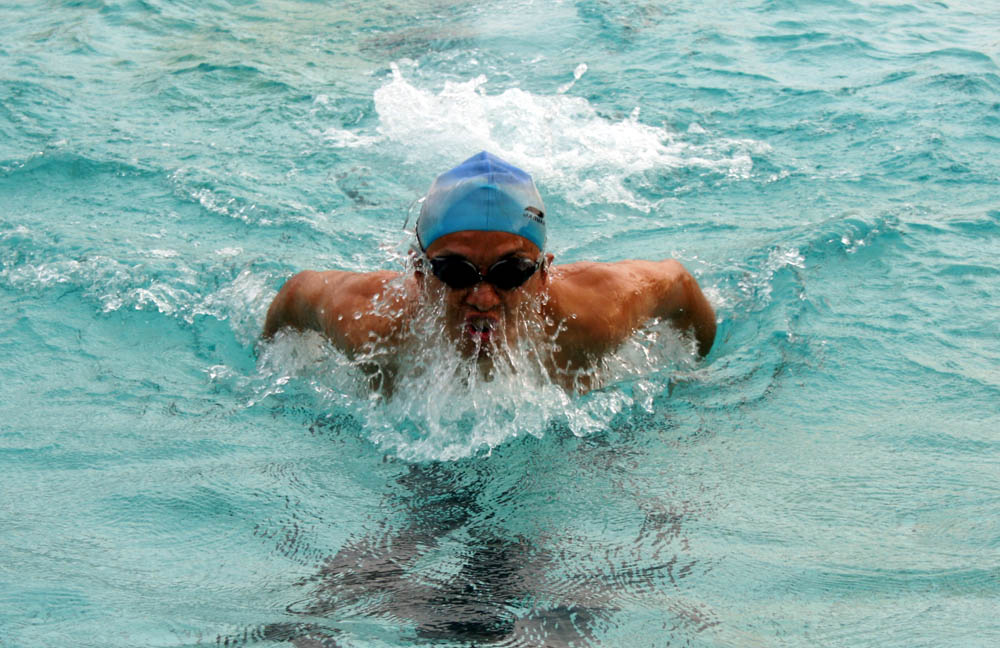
586 309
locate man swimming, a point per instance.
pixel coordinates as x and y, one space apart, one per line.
480 266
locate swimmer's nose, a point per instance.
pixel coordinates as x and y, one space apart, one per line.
483 297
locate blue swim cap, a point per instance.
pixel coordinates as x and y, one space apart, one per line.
484 193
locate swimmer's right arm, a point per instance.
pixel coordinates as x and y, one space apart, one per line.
335 303
297 303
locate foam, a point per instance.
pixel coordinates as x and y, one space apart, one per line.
562 140
341 138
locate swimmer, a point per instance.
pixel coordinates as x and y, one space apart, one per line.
480 251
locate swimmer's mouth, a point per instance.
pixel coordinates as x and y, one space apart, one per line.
480 329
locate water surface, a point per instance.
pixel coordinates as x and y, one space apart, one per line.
826 477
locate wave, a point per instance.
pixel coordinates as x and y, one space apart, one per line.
56 161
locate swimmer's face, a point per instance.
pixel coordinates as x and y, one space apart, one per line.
481 316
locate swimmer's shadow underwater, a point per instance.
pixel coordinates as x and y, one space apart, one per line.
508 590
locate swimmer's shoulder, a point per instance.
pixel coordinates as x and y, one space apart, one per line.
351 308
586 302
620 282
600 303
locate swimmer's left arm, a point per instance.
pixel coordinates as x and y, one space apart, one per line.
679 299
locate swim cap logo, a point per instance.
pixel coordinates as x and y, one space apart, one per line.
534 214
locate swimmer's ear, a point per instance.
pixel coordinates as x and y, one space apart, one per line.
417 262
546 262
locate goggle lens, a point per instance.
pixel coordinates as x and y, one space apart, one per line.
460 273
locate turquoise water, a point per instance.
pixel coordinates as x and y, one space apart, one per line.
828 476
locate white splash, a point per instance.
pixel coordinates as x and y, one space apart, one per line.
242 301
566 143
444 407
577 73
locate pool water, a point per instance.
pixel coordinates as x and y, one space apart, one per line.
828 476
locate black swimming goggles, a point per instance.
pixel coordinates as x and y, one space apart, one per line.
506 274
